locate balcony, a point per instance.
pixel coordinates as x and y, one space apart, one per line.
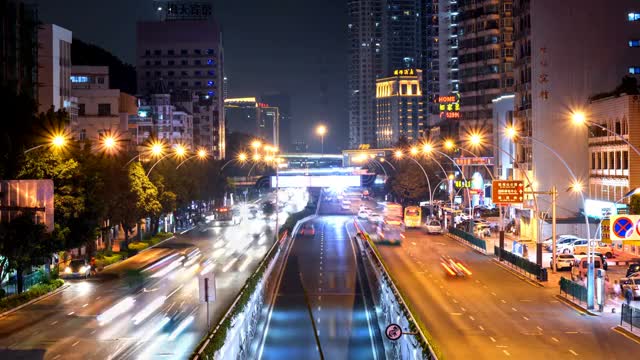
609 173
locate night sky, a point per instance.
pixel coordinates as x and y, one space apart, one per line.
297 47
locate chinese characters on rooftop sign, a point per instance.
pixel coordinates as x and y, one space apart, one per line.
399 72
470 161
188 11
449 106
507 191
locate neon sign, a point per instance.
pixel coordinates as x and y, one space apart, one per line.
449 106
403 72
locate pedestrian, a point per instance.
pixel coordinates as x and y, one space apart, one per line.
628 296
616 289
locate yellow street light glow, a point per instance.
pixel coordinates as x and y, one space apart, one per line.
414 151
256 157
58 140
381 159
398 154
576 187
268 158
157 148
578 118
321 130
109 142
511 132
427 148
451 177
242 157
202 154
256 144
449 144
475 139
180 150
268 148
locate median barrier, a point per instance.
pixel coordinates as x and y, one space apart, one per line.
521 263
469 239
573 289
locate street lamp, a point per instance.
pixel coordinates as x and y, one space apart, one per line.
57 141
321 130
179 151
579 118
201 154
414 151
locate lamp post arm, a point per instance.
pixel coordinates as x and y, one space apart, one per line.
35 147
478 157
185 160
426 177
615 134
131 160
156 163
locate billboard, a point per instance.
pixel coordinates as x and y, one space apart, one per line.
17 196
507 191
303 181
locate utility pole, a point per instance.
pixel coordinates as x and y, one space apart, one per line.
554 197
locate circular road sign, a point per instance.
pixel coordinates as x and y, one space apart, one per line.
622 227
393 332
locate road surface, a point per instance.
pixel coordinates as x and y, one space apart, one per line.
65 325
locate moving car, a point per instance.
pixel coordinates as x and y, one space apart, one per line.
599 247
362 214
374 218
565 261
454 267
433 227
307 229
78 268
633 284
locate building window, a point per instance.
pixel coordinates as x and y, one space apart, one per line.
81 109
634 43
211 73
104 109
183 73
210 62
197 83
634 70
100 80
403 89
184 83
171 52
210 52
171 62
634 16
197 62
147 62
83 135
147 52
183 52
625 160
197 73
197 51
593 161
184 62
170 73
157 62
157 52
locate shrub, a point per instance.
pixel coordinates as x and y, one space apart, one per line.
105 260
137 246
35 291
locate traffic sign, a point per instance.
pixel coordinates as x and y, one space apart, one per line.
625 228
507 192
393 332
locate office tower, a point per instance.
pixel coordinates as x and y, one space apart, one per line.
54 68
282 101
19 47
399 107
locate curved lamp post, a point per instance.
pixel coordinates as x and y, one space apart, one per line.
179 152
399 154
579 118
200 154
57 141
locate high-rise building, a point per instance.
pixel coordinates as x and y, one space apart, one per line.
562 60
252 117
185 52
54 68
281 101
19 47
399 107
365 63
485 59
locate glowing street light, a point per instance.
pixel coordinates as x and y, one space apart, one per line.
256 144
256 157
576 187
578 118
427 148
242 157
414 151
322 131
56 141
398 154
475 139
449 144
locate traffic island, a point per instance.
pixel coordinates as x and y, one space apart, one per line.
36 293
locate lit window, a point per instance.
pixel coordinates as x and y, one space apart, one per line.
634 70
210 83
634 16
634 43
210 62
79 79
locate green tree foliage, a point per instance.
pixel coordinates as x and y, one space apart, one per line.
23 243
409 183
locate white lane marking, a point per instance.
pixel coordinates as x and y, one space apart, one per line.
570 332
539 328
503 301
506 352
514 309
93 332
472 318
55 322
526 300
71 313
492 339
463 309
455 301
75 343
573 352
554 339
85 305
57 356
480 327
526 318
413 243
447 293
494 294
455 314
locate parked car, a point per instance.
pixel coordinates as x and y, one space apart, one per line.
581 266
600 247
605 266
633 284
374 218
567 248
307 229
77 268
565 261
362 214
633 268
433 227
482 230
548 243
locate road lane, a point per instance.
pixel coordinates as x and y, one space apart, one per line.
65 326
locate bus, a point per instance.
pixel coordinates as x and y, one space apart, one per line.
412 216
225 215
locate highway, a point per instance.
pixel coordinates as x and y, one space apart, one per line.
163 319
325 266
493 314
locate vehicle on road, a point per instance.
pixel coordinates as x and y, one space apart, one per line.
307 229
412 216
482 230
225 215
605 266
78 268
362 214
633 284
433 227
599 247
454 267
633 268
581 266
390 232
565 261
374 218
567 248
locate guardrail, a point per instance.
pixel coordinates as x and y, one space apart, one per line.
469 238
393 308
575 290
524 264
630 315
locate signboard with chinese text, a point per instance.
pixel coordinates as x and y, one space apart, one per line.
399 72
480 161
605 231
188 10
449 106
508 191
462 184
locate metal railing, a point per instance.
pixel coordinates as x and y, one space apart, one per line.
11 286
630 315
528 266
573 289
465 236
